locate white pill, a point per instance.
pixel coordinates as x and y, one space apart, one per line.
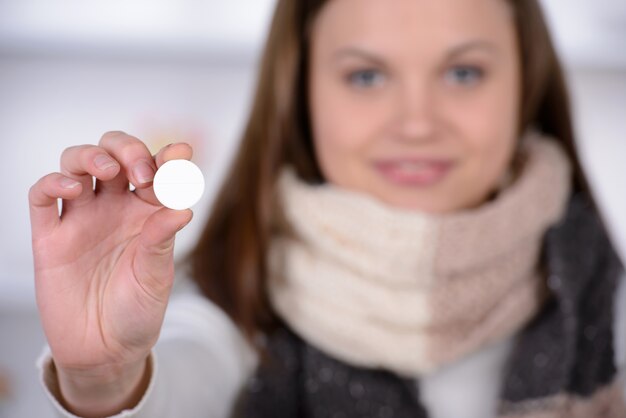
178 184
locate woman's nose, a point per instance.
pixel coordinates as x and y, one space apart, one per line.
415 113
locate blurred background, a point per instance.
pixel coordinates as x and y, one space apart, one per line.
183 70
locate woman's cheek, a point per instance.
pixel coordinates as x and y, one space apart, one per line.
496 160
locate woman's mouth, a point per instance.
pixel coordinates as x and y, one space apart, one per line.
413 172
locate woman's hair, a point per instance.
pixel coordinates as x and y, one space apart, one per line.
229 261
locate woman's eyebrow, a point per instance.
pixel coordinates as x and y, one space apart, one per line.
454 51
468 46
359 53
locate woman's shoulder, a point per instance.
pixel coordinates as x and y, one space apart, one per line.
581 239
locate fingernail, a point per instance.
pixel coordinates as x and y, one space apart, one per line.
104 162
143 172
68 183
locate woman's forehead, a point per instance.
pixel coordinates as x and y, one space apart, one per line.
431 23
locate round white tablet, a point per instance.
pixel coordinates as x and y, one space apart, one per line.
178 184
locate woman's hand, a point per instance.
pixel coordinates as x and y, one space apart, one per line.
104 267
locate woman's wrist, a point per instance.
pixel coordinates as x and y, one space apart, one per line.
97 393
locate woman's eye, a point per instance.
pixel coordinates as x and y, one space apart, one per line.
366 78
465 75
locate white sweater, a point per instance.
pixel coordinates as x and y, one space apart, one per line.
201 361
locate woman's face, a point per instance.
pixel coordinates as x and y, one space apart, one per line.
415 102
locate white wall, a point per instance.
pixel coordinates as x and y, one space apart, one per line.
168 70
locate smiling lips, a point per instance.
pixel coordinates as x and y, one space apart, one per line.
414 172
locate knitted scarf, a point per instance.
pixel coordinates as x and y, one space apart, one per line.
410 292
355 281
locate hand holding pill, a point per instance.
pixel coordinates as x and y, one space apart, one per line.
107 257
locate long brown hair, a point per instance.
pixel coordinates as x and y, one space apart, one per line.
229 261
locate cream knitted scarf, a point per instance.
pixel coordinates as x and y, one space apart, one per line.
377 286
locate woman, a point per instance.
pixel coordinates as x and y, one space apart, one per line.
407 217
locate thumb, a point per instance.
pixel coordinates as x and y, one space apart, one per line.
154 258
